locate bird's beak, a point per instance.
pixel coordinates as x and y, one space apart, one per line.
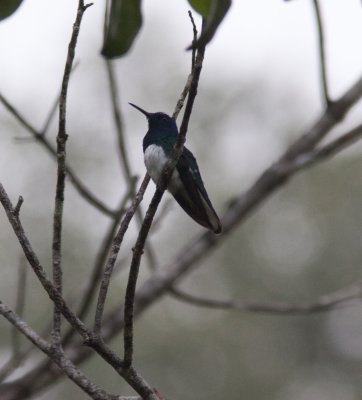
147 114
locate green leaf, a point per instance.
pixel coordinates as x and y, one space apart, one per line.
217 12
7 7
125 20
201 6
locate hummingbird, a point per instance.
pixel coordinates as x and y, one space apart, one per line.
185 184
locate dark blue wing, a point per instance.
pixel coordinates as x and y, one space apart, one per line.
194 198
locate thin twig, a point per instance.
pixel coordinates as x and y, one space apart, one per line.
194 40
167 205
123 156
116 244
322 304
339 144
54 108
330 149
322 54
142 236
18 205
186 89
40 138
61 173
334 113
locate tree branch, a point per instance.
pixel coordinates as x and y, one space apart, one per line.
330 149
322 304
186 89
322 55
334 114
117 241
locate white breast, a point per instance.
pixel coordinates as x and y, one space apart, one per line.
155 160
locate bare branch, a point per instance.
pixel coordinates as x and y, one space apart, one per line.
54 108
334 113
322 55
194 40
113 86
186 89
117 241
166 207
330 149
322 304
18 205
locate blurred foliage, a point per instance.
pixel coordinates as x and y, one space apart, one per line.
122 26
214 12
8 7
201 6
124 20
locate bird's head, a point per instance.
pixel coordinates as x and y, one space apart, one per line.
157 120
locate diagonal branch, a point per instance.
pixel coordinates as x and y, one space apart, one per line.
334 114
330 149
322 304
322 54
116 244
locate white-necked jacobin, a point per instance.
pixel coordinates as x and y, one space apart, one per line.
186 184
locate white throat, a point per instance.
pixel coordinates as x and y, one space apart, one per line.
155 160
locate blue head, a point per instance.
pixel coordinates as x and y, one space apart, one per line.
159 121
